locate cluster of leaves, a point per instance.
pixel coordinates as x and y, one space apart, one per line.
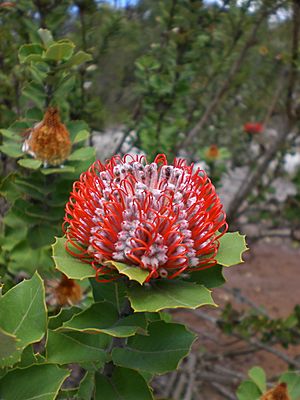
36 194
256 386
285 331
118 346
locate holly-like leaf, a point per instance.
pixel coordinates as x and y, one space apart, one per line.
232 246
75 347
71 266
258 376
158 352
8 347
169 294
30 163
210 277
134 273
40 382
64 315
23 313
86 387
124 384
103 317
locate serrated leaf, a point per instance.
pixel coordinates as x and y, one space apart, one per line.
232 246
59 170
292 380
160 351
134 273
103 317
40 382
23 313
59 51
8 346
30 163
69 265
210 277
258 376
248 391
169 294
75 347
82 154
124 384
64 315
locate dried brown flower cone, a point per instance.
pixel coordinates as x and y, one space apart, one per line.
64 292
280 392
49 141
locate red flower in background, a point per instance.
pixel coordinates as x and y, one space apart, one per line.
163 218
253 127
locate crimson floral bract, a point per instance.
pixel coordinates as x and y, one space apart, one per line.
165 219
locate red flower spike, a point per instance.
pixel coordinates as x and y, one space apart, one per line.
165 219
253 127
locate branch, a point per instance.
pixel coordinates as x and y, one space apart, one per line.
235 68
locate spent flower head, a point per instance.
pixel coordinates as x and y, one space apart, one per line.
49 140
165 219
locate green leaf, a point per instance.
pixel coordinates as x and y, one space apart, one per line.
59 170
59 51
64 315
232 246
258 376
38 382
30 163
159 352
134 273
81 136
30 52
79 58
169 294
114 292
86 387
124 384
75 347
46 37
210 277
69 265
8 347
35 92
82 154
12 150
103 317
9 134
292 380
23 313
248 391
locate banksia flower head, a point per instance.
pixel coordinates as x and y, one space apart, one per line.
49 141
253 127
280 392
165 219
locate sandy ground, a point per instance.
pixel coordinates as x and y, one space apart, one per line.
270 277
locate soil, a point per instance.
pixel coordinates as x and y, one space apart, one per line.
269 277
